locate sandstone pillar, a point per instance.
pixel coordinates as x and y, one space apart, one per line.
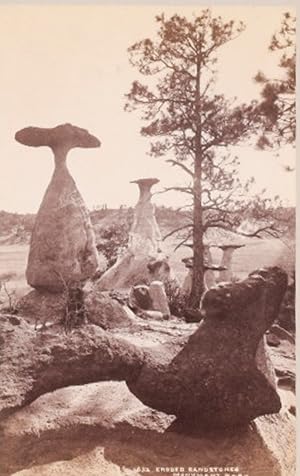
62 248
143 261
228 250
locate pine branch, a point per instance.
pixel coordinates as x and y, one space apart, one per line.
176 230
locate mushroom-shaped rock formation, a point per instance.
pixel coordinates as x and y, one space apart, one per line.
208 380
62 249
228 241
214 380
187 283
228 251
144 236
210 279
142 261
209 269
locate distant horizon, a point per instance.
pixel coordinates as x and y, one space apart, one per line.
100 207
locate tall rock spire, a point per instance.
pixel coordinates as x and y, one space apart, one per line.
62 248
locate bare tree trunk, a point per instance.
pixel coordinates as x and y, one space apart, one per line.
198 248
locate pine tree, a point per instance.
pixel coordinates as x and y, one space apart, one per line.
194 125
278 105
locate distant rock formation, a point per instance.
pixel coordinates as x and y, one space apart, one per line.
142 261
62 249
228 250
144 236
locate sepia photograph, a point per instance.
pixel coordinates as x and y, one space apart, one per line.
148 239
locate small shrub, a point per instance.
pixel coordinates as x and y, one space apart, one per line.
176 298
9 295
112 240
75 312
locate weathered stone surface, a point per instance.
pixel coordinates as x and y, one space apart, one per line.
139 297
132 270
273 340
264 362
228 250
106 312
159 298
209 276
106 431
208 380
43 306
187 282
192 315
62 249
33 363
156 315
159 269
214 380
283 358
144 236
209 269
282 333
143 261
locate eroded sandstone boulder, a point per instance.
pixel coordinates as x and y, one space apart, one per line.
62 248
43 306
214 380
106 431
139 297
107 312
159 298
208 380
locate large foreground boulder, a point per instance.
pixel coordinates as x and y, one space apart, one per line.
214 380
209 380
62 248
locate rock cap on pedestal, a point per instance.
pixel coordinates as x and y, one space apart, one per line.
146 181
62 249
232 245
63 135
188 262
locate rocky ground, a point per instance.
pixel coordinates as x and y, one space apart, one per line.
101 429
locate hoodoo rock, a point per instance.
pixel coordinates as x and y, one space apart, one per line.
144 236
209 270
208 380
62 249
228 251
142 261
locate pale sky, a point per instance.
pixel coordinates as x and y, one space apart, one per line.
69 63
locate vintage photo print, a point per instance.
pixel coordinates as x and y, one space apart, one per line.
147 239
